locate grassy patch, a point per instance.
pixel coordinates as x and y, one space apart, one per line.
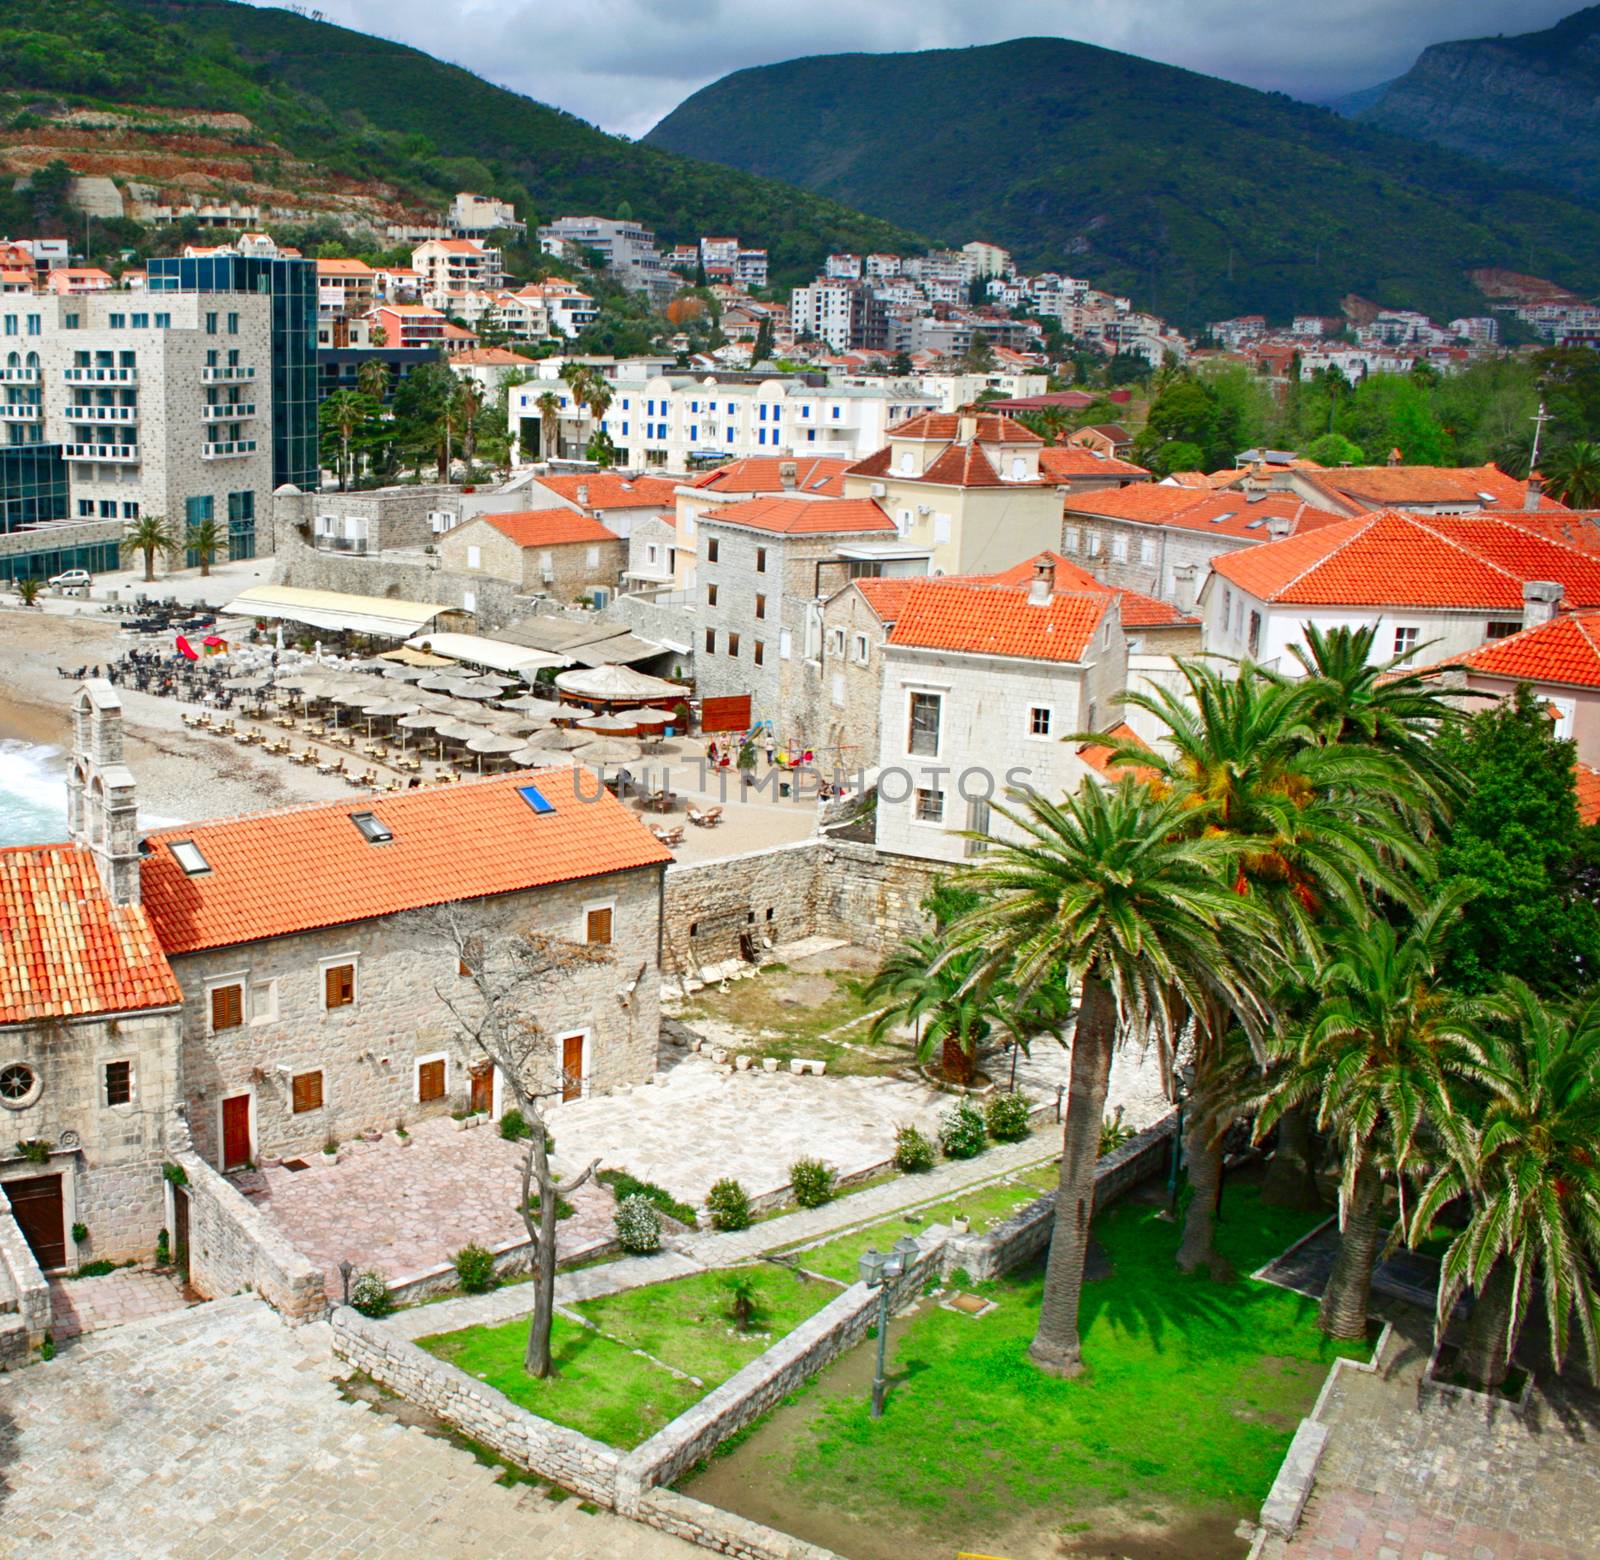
1192 1394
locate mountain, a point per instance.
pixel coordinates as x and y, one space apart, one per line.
1529 104
1199 197
359 109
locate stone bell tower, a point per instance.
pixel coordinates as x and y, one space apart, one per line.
102 808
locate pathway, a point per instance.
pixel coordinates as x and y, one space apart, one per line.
85 1305
715 1249
219 1431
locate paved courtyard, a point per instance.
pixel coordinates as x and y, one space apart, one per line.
221 1432
84 1305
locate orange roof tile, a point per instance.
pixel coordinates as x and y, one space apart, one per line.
1073 460
1378 487
887 597
1588 788
1138 610
492 357
945 428
1097 755
1392 558
999 620
550 527
803 516
343 268
612 490
65 950
1564 650
1225 514
276 874
762 474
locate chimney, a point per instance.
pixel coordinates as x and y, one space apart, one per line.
1042 587
1279 528
1394 457
1183 586
1540 599
966 426
788 474
1256 481
1535 493
583 495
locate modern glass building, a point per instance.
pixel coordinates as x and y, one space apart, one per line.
33 492
292 286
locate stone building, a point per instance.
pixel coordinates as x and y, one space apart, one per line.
552 552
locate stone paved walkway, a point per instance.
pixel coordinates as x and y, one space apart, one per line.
714 1249
219 1432
1396 1483
85 1305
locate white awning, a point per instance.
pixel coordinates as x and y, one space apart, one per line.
480 651
332 609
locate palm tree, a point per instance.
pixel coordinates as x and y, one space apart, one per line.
28 591
1572 474
204 538
149 534
1375 1058
343 416
1113 891
470 404
549 405
372 379
948 1012
1533 1178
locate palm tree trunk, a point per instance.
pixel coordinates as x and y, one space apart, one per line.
1486 1354
1202 1161
1291 1179
1343 1313
1055 1347
956 1063
149 565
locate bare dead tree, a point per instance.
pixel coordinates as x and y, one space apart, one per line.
504 977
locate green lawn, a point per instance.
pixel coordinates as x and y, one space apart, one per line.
1193 1391
605 1390
985 1207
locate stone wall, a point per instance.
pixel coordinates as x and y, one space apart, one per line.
234 1247
1027 1233
661 624
723 1531
28 1295
563 1456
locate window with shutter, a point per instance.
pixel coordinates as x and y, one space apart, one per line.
119 1083
227 1007
307 1092
599 925
338 985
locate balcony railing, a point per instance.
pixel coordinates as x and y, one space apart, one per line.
103 414
20 411
345 544
229 448
19 376
226 373
101 376
123 454
221 411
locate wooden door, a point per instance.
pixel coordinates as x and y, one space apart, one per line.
572 1067
38 1206
430 1081
180 1231
236 1132
483 1088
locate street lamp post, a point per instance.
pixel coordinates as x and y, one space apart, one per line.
879 1270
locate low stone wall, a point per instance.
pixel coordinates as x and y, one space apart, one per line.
1027 1233
511 1257
24 1283
728 1534
566 1457
233 1246
792 1360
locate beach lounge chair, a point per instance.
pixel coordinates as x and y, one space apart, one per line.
713 816
672 838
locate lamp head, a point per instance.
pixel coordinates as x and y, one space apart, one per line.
871 1266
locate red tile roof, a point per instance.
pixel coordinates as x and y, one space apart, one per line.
1376 487
498 357
1073 460
65 950
1564 650
279 873
550 527
803 516
1224 514
945 428
963 465
1588 787
1138 610
612 490
887 597
1097 755
761 474
1392 558
999 620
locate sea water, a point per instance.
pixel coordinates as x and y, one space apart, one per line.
33 793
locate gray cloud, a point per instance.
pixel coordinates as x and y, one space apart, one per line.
623 64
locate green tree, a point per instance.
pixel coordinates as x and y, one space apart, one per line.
947 1011
1118 894
149 534
762 350
28 591
979 356
205 539
1175 455
1532 1177
1572 474
1333 449
549 405
372 380
345 417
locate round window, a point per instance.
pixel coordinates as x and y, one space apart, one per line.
19 1085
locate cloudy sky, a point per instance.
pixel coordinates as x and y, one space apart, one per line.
623 64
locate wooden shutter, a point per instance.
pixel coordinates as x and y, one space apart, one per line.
227 1007
599 930
339 985
430 1081
307 1092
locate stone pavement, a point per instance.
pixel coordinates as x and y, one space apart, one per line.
1396 1483
221 1432
84 1305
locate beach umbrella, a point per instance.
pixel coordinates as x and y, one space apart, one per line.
400 672
371 663
541 758
492 744
556 740
525 701
607 723
391 707
353 696
253 681
440 682
298 682
651 717
526 724
608 752
457 731
476 691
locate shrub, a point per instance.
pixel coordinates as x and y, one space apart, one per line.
812 1181
1112 1132
475 1268
331 1147
564 1209
961 1131
35 1150
163 1249
369 1294
514 1127
1007 1117
97 1269
624 1186
741 1287
729 1204
47 1348
80 1233
913 1152
175 1175
638 1226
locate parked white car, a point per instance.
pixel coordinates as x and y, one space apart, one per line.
71 579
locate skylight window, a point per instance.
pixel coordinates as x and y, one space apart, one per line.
373 830
536 799
1254 525
187 854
